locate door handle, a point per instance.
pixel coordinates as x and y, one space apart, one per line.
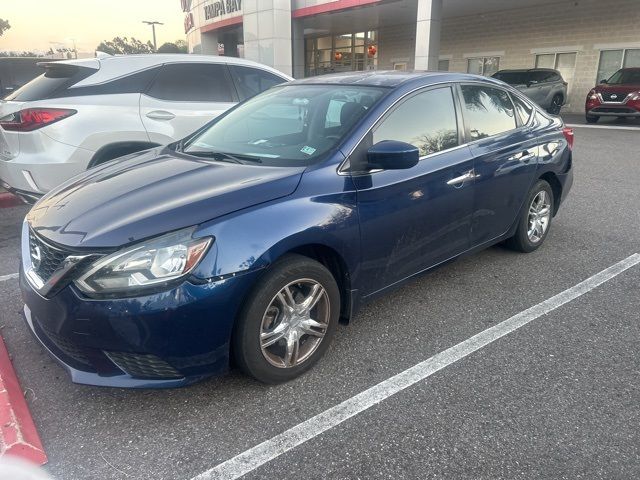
462 178
160 115
525 156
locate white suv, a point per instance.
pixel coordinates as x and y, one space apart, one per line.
80 113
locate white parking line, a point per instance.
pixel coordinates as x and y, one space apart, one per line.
4 278
270 449
602 127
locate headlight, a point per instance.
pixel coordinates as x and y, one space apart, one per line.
592 95
636 96
148 265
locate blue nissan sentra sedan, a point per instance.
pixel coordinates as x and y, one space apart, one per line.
247 242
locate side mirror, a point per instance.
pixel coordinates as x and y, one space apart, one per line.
604 80
392 155
532 82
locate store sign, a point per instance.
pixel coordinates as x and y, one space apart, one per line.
221 7
188 22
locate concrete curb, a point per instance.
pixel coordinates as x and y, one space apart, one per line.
18 434
8 200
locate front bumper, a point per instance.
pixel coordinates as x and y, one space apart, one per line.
167 339
613 111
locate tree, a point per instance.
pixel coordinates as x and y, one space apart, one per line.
4 25
122 45
168 47
179 46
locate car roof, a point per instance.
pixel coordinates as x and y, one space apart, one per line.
519 70
111 67
390 78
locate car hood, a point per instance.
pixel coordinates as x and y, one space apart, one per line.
624 88
150 193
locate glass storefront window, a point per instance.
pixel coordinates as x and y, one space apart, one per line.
483 65
565 63
613 60
632 58
341 53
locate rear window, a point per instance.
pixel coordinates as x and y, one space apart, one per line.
193 82
54 80
512 78
252 81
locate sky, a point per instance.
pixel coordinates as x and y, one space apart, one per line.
41 24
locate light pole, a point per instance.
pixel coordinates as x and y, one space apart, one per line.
153 27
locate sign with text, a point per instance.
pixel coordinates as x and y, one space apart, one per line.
221 7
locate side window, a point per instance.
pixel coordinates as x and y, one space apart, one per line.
426 120
252 81
523 109
192 82
134 83
488 111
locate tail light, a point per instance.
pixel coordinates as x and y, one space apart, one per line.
568 134
34 118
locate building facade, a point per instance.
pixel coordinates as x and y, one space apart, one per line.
586 40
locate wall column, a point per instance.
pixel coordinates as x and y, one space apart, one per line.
297 41
428 25
267 33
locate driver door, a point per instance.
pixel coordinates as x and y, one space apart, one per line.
416 218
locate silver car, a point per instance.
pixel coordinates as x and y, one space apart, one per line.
544 86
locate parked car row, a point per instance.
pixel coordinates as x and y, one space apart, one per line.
246 241
82 113
617 96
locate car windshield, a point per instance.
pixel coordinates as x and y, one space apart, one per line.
513 78
625 77
292 125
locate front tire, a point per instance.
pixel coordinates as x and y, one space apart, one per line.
535 219
591 118
288 320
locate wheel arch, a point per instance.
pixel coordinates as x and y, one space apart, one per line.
334 262
556 187
118 149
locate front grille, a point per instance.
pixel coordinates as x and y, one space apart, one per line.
614 110
143 366
45 259
606 96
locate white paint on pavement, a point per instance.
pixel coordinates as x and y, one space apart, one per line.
602 127
270 449
4 278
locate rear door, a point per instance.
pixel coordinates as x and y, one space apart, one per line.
505 152
183 97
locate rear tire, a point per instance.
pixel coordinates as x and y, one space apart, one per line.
591 118
534 222
288 320
556 105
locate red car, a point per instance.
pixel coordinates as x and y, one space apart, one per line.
617 97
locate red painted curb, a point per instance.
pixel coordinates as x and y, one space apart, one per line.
18 434
8 200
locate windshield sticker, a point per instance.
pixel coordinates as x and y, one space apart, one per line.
308 150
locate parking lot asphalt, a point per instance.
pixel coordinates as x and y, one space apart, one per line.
557 398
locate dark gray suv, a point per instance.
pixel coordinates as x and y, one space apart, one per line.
544 86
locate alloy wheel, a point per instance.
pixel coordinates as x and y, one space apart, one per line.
539 216
295 323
